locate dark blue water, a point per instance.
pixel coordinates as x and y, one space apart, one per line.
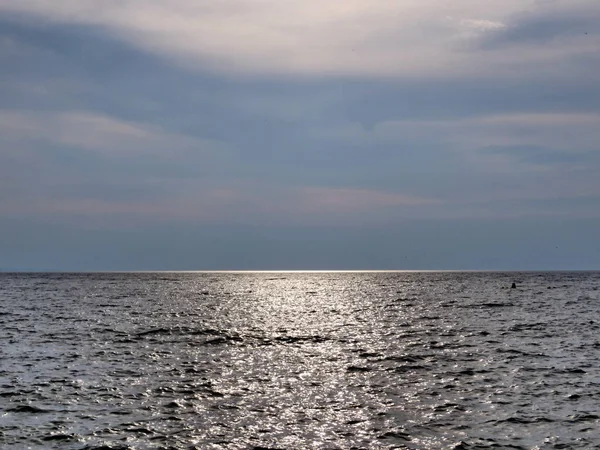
300 360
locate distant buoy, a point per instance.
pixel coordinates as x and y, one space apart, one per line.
514 286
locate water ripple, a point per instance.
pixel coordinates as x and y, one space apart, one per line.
328 360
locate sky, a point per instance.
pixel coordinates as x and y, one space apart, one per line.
271 134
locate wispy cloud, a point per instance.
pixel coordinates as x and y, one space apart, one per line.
324 200
539 155
579 131
204 203
91 131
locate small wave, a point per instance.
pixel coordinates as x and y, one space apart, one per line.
484 444
528 326
140 430
395 434
369 355
60 437
260 447
408 368
108 447
516 353
356 369
584 418
573 371
493 305
28 409
522 420
449 405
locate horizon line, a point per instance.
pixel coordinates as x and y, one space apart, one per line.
249 271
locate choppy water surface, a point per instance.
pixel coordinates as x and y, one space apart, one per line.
292 360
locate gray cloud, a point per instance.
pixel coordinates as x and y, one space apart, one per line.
543 156
544 26
99 131
360 39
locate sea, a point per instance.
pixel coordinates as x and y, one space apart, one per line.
300 360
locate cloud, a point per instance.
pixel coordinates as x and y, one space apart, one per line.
93 165
181 201
485 159
208 206
579 131
87 130
538 155
95 117
555 22
310 38
347 199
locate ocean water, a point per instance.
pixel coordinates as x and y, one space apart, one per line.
434 360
